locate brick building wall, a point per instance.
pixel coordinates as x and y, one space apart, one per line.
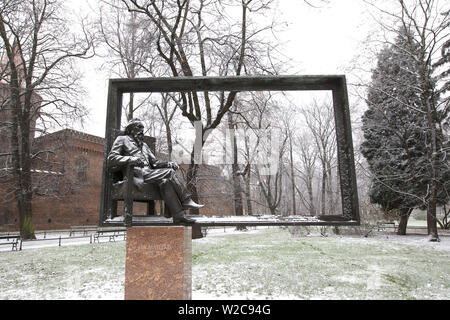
66 182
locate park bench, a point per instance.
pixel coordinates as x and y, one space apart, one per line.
14 243
85 229
110 233
381 226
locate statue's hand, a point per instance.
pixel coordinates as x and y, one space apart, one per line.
139 183
135 161
173 165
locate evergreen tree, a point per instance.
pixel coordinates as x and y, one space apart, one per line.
395 143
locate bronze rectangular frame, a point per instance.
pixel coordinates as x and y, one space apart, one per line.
335 83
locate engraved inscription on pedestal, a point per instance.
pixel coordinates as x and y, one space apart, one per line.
158 263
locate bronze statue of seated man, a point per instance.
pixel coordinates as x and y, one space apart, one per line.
130 149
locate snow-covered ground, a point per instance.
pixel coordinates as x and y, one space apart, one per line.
261 263
60 238
278 266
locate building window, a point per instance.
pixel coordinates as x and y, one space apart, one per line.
81 166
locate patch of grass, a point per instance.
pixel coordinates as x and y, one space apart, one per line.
71 272
274 265
267 264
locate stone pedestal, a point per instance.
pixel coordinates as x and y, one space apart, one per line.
158 263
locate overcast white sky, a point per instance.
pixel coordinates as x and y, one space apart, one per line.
320 41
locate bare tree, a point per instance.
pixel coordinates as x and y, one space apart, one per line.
203 38
289 122
40 47
307 153
272 185
235 174
254 108
320 121
167 108
129 43
263 118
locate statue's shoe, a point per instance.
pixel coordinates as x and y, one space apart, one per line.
190 204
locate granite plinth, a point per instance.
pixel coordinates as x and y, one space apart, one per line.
158 263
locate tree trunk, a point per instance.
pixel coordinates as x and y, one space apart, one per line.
191 185
273 210
248 193
23 194
237 193
404 216
432 220
323 191
247 179
330 198
292 176
20 149
27 230
237 188
131 107
25 212
431 119
169 140
312 209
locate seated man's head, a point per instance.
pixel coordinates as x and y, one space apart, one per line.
135 128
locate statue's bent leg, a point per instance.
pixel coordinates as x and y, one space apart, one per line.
170 177
170 197
156 175
180 188
172 201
